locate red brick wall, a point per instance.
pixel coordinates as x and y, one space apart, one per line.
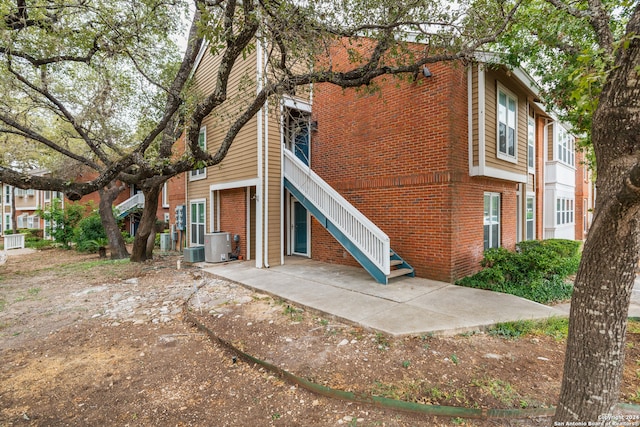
582 193
233 216
401 157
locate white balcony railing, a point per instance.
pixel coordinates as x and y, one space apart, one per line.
136 201
362 233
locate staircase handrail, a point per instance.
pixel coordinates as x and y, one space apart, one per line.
137 200
361 231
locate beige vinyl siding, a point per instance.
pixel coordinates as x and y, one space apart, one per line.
492 160
275 249
241 161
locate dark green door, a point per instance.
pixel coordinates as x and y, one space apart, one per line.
300 228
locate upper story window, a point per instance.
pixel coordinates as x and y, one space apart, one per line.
7 195
202 142
507 125
565 147
531 145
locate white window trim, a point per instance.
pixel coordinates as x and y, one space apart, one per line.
499 222
530 196
531 121
191 203
165 195
505 156
571 146
200 175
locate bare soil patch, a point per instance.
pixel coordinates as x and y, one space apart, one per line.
92 343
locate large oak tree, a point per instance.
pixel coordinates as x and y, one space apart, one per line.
101 74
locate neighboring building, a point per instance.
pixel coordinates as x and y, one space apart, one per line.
585 197
439 170
129 204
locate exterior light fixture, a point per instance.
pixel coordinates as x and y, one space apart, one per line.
426 72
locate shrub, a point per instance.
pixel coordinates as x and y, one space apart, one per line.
89 234
537 270
62 221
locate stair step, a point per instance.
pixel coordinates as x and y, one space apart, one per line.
399 272
395 262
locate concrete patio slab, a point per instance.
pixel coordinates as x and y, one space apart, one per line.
407 306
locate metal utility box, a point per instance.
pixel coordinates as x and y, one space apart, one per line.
165 242
195 254
217 247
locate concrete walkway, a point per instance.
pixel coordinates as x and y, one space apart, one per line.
406 306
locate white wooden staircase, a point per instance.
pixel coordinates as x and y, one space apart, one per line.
367 243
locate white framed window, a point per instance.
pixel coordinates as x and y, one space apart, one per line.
47 196
165 195
7 195
7 222
22 221
31 192
564 211
33 221
197 217
491 220
20 192
565 147
530 218
531 145
202 142
215 211
507 148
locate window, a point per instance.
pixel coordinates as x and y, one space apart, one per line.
197 222
585 215
531 144
20 192
564 211
31 192
507 114
7 221
47 196
202 142
22 220
7 195
565 147
297 133
491 220
530 218
165 195
33 221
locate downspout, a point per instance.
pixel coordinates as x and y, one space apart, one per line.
259 185
266 174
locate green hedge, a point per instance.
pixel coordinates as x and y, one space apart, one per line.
537 270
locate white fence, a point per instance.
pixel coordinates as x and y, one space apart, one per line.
13 241
363 233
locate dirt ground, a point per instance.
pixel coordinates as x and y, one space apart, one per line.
85 342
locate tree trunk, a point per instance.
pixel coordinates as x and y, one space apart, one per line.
147 225
117 244
594 360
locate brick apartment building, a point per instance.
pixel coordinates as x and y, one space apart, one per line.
418 177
